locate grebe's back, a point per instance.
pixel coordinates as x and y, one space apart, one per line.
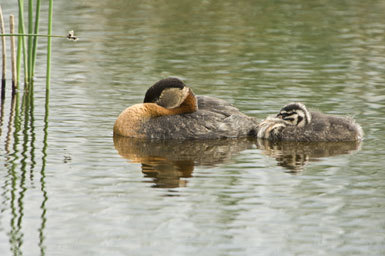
214 119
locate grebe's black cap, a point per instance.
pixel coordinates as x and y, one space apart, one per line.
154 92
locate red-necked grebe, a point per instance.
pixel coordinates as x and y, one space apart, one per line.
171 111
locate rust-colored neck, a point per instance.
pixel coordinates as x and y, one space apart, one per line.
131 119
189 105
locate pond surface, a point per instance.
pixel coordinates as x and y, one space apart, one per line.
69 188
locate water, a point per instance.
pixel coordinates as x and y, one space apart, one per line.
68 188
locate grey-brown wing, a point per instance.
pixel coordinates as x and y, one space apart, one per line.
214 119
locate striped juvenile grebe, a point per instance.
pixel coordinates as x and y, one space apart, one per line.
295 123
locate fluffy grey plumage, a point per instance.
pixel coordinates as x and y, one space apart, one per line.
321 127
214 119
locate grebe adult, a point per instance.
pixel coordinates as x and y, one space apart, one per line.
171 111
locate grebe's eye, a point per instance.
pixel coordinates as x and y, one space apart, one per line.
283 115
300 118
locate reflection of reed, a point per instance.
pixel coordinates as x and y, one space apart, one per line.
20 147
33 135
8 156
2 103
16 203
42 179
294 155
169 161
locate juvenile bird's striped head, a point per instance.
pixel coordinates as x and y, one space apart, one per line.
296 114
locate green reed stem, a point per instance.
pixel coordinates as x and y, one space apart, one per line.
13 54
21 43
36 35
50 14
3 53
18 57
36 31
30 38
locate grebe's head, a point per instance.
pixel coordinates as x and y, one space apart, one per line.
296 114
168 93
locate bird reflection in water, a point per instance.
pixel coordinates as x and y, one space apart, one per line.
295 155
168 162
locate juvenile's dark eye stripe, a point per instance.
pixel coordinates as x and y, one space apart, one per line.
300 118
288 114
289 119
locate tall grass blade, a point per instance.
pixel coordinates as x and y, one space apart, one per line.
30 38
21 43
3 53
36 31
50 14
13 54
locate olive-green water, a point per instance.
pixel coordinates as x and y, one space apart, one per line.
67 188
